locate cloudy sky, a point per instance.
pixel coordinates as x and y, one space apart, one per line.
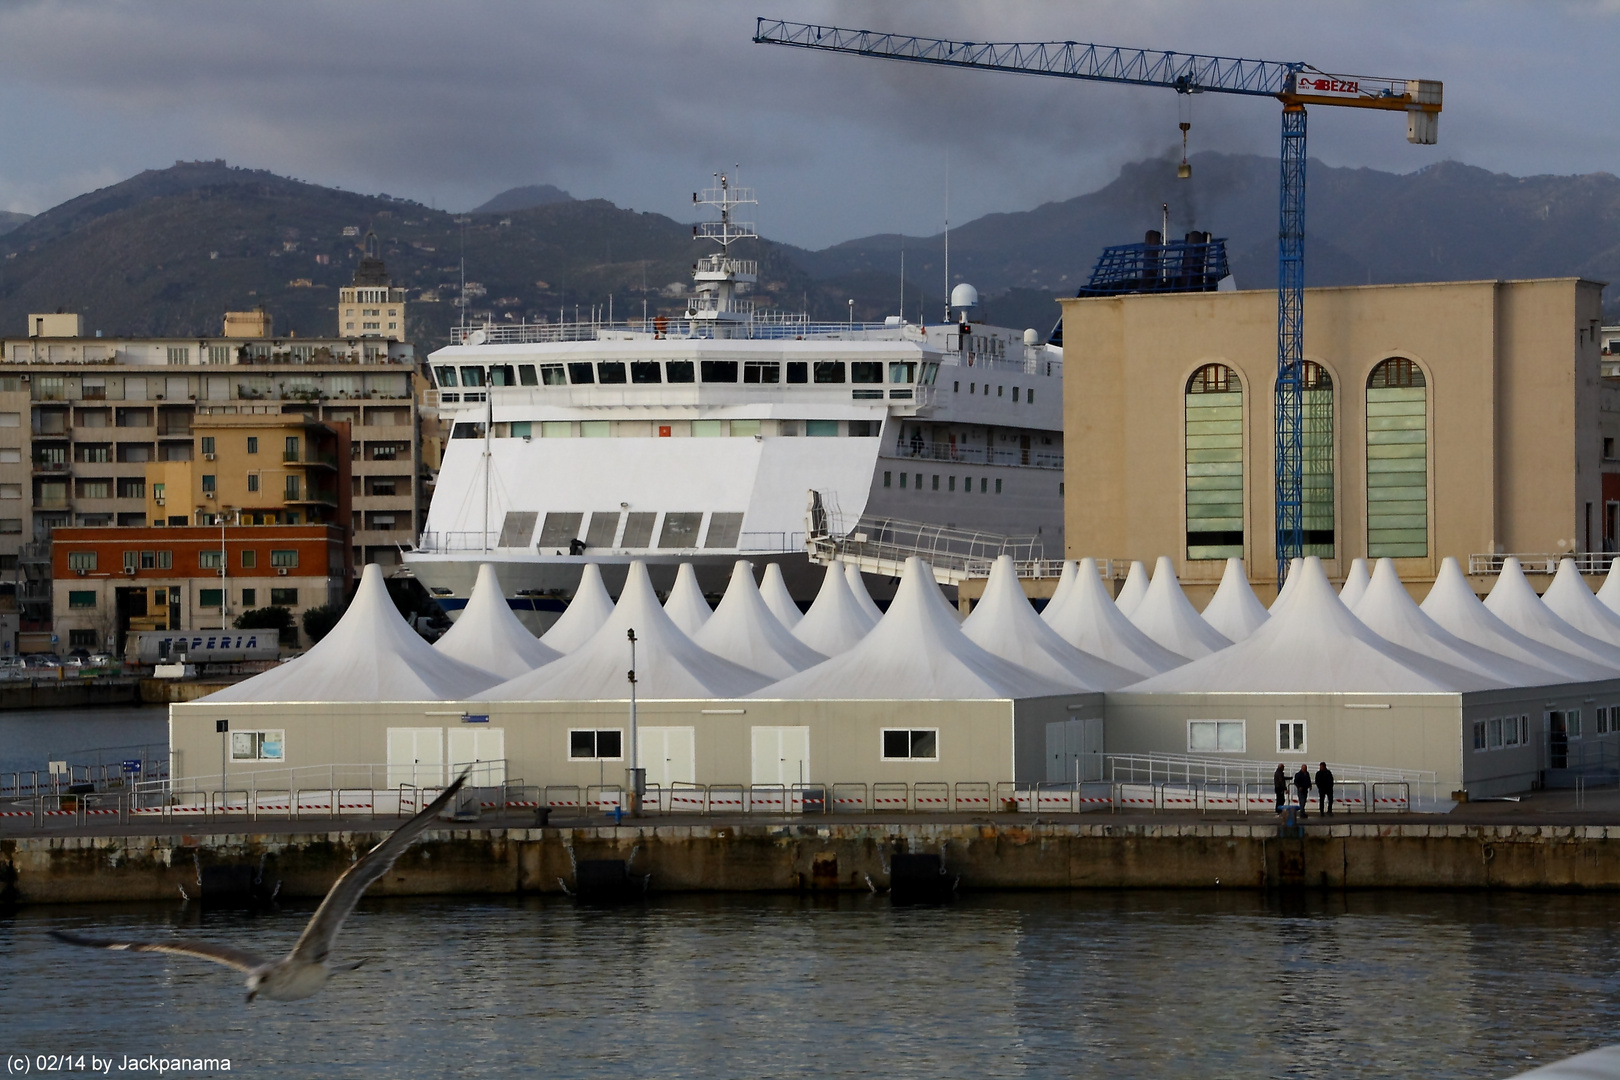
639 101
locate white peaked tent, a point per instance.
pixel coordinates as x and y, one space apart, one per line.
918 651
857 588
1355 583
370 655
1091 623
1314 645
836 622
668 663
777 597
1280 601
745 631
1570 599
1609 591
489 636
1452 604
685 604
1166 615
1234 611
1514 602
1060 595
1135 587
1389 611
1005 624
586 613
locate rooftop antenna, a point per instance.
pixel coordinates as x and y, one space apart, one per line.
902 279
947 236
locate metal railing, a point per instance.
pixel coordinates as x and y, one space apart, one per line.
1192 770
956 454
768 325
882 545
1587 562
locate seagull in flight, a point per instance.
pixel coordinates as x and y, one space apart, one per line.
302 972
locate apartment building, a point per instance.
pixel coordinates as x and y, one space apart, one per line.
82 418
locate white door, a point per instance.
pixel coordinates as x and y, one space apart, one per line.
781 755
669 754
482 747
415 756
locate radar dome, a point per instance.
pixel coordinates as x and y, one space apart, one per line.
964 296
1032 337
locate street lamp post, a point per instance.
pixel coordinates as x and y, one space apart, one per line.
224 572
635 776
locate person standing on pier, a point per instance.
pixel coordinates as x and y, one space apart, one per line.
1324 789
1279 780
1302 784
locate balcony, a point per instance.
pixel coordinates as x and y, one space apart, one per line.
313 459
313 497
51 468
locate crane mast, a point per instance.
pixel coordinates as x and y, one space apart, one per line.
1293 83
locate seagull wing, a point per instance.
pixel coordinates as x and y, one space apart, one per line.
316 941
240 959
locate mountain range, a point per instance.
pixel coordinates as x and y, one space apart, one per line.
168 251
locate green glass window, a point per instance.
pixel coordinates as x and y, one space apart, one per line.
1316 452
1397 461
1214 460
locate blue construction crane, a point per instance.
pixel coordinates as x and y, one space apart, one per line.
1296 85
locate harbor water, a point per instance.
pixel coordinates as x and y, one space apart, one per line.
1099 984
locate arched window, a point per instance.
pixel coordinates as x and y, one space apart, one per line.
1316 446
1397 460
1214 404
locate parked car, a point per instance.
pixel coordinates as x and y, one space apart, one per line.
103 660
82 653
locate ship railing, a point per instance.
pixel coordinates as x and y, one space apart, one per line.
766 325
882 545
1587 562
439 542
1032 365
772 543
978 455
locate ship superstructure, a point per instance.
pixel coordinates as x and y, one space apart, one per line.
731 433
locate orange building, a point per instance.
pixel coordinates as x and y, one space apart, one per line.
110 581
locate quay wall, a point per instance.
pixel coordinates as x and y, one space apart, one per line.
782 858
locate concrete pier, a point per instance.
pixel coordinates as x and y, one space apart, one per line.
799 855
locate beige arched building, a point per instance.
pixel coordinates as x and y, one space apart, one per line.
1455 418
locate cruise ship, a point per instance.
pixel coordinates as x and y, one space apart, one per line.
729 432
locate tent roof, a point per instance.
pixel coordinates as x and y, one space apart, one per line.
1609 591
685 604
1355 583
1092 623
858 588
1569 598
370 655
668 663
836 622
918 651
1166 615
1514 602
1389 611
775 591
1135 587
1234 610
489 636
1314 645
1005 624
1060 595
744 631
1280 601
586 613
1452 604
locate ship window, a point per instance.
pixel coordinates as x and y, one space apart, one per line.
466 431
594 429
719 370
887 479
472 376
610 372
1015 393
863 429
985 483
580 374
558 530
501 375
822 428
555 429
447 375
526 375
604 527
744 428
680 530
903 479
1214 463
645 371
1397 460
552 375
798 372
952 484
517 526
902 373
678 371
865 371
521 429
936 483
638 529
829 371
1029 396
929 373
724 530
707 429
760 371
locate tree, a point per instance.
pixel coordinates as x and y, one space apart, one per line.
318 621
266 618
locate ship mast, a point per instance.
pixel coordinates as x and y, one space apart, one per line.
717 277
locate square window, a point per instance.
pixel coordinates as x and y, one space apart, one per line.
1290 736
250 558
81 560
148 560
798 372
284 558
821 428
1216 736
86 599
250 597
210 598
258 745
284 597
601 744
911 744
208 444
211 560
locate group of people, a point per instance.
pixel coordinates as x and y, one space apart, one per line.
1303 783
